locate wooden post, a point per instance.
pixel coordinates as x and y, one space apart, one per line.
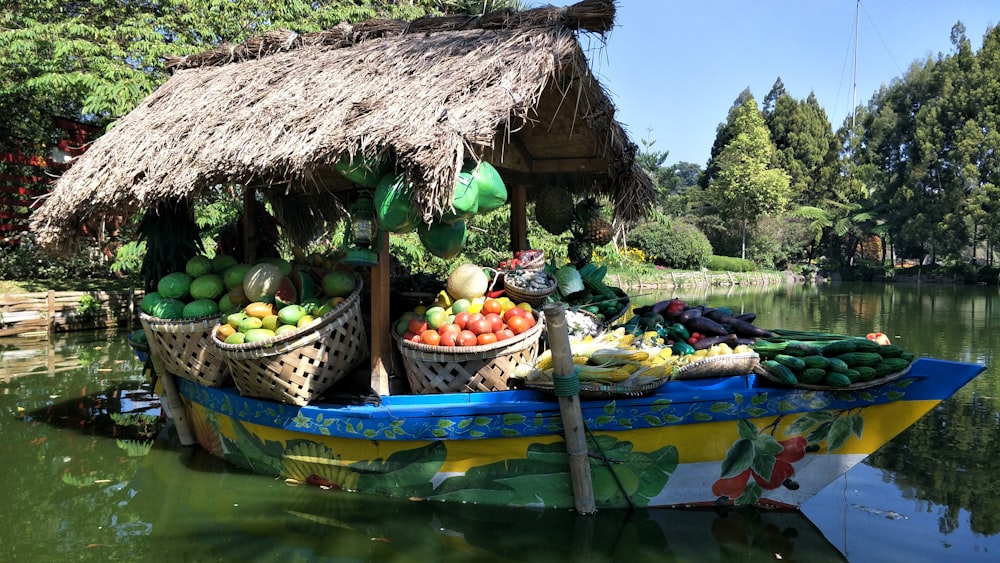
380 338
51 307
568 390
518 217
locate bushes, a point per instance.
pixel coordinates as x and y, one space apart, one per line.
730 264
674 245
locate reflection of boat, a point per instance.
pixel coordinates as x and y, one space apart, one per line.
696 442
223 514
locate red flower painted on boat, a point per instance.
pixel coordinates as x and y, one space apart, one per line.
793 449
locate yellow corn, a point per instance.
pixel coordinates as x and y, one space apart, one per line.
544 360
611 354
660 370
596 373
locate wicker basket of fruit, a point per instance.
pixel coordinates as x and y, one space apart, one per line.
529 286
457 362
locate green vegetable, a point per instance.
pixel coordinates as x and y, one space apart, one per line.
568 280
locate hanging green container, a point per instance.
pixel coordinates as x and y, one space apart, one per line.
363 170
444 240
490 189
465 201
393 210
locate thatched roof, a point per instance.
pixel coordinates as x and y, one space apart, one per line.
277 112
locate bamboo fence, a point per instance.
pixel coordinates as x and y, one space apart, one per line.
60 311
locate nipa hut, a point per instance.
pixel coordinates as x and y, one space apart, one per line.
275 113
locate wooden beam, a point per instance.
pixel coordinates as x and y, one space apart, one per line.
518 217
379 338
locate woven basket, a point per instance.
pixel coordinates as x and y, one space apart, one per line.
183 347
465 369
533 297
298 366
725 365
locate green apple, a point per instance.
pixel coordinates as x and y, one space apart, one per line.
436 317
460 306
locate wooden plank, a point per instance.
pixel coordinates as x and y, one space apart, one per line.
380 337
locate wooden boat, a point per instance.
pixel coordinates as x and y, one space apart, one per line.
724 440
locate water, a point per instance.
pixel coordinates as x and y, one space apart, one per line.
81 487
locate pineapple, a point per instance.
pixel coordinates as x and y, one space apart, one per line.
589 226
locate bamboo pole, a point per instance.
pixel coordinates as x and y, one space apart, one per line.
177 411
567 386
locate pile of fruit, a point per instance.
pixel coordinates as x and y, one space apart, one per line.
257 300
462 314
812 358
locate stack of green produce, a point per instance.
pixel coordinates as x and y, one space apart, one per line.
823 359
583 288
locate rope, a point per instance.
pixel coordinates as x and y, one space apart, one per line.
567 385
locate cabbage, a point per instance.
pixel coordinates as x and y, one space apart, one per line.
568 280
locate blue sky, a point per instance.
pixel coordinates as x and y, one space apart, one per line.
677 66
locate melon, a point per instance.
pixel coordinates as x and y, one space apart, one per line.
261 280
148 301
490 189
256 334
467 281
238 298
174 286
169 308
442 239
221 262
200 308
207 286
198 265
233 276
285 265
338 284
362 170
286 293
465 201
393 211
226 305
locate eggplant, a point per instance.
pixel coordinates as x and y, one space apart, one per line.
743 328
709 341
718 316
746 341
706 326
660 307
748 317
690 313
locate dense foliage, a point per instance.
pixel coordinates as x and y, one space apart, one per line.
913 175
673 244
730 264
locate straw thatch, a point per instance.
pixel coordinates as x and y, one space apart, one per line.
278 111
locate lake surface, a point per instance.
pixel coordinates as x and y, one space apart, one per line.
85 483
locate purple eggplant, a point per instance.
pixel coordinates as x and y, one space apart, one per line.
709 341
745 329
748 317
706 326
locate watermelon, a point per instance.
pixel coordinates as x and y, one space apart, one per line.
174 286
200 308
207 286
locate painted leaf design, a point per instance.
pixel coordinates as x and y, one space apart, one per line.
746 430
751 495
805 422
720 407
759 399
738 458
763 465
510 419
610 407
859 425
819 434
839 432
765 444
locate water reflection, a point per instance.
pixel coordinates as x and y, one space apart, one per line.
94 487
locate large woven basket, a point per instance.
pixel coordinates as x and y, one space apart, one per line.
465 369
298 366
183 347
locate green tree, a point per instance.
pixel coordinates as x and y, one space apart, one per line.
746 185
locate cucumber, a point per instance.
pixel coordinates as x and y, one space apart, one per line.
854 359
792 362
838 347
812 375
835 379
780 371
854 375
799 348
816 361
836 365
890 351
865 373
865 345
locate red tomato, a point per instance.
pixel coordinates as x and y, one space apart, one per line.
412 337
452 327
504 334
462 319
492 306
517 325
480 326
513 312
449 338
530 318
495 320
417 325
467 338
486 338
473 317
431 337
